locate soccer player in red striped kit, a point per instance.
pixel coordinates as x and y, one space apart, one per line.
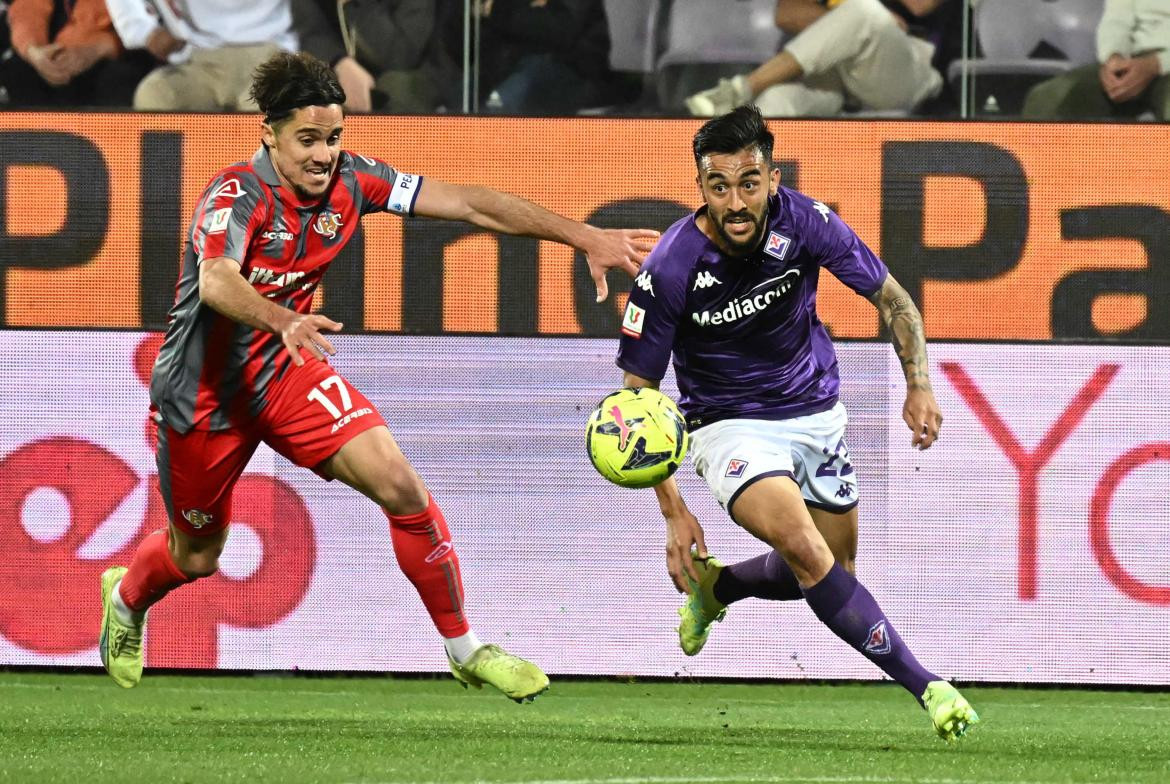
244 361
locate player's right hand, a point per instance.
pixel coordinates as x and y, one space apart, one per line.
683 533
303 331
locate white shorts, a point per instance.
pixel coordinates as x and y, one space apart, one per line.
734 453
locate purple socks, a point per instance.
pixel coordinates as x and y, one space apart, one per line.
763 577
849 610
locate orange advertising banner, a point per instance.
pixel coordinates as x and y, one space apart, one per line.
1000 231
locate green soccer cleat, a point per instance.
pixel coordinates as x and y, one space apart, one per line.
701 608
119 645
951 713
515 677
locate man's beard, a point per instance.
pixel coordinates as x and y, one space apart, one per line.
741 247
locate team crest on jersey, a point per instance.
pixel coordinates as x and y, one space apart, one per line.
777 245
735 468
230 188
327 224
878 640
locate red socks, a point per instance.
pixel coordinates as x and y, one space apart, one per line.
423 546
152 574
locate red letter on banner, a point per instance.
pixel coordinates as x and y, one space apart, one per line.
1099 524
1029 464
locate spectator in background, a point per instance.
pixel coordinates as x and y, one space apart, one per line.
1133 52
544 56
860 54
210 48
67 54
386 53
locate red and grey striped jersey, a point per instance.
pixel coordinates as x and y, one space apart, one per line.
212 372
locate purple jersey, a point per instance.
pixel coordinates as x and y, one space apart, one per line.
746 339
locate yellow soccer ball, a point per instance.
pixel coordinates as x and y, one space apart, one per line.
636 437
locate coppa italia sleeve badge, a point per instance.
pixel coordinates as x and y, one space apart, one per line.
632 322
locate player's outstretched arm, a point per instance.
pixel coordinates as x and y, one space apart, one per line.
604 249
223 288
920 411
683 532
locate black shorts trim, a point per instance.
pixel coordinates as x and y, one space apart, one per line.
752 481
831 507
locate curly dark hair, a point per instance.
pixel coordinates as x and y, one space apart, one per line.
737 130
286 82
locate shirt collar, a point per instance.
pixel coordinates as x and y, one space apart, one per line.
262 165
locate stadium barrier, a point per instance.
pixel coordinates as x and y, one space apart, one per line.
1001 231
1026 546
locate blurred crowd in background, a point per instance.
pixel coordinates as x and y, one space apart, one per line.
1038 59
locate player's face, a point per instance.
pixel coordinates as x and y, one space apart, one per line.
305 148
736 187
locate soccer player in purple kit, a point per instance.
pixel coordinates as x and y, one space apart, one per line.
731 291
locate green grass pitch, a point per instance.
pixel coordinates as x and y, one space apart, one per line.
81 728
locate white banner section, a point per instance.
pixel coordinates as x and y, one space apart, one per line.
1030 544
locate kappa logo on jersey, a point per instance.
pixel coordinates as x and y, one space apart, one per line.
632 321
220 220
230 188
705 280
757 299
327 224
735 468
197 518
777 245
822 209
369 161
644 282
878 639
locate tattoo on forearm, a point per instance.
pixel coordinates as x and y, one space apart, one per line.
909 339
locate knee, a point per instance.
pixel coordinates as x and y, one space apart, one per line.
847 564
400 490
198 565
155 93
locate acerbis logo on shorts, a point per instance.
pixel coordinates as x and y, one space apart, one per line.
197 518
735 468
878 640
443 548
345 420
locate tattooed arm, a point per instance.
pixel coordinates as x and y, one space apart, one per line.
920 412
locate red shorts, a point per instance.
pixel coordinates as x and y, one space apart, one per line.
311 413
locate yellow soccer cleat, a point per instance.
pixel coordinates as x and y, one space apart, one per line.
951 714
120 645
702 608
515 677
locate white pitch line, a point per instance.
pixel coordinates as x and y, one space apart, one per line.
745 779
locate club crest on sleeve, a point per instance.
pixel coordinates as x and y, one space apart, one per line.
735 468
777 245
878 640
633 320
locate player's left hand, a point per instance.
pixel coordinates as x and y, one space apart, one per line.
683 533
622 248
923 416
